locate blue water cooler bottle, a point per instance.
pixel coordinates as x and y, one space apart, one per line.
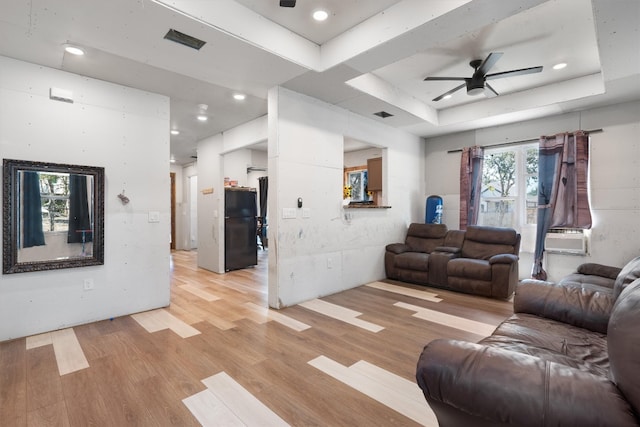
433 212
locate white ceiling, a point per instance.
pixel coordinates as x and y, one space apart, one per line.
369 56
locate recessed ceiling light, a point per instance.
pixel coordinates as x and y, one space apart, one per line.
202 118
447 96
172 160
175 132
560 66
74 50
320 15
239 96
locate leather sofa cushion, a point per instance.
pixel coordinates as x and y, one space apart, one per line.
423 245
553 341
596 283
425 237
413 261
485 242
593 269
624 343
427 231
482 250
628 274
472 268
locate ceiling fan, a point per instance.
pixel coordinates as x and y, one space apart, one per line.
477 83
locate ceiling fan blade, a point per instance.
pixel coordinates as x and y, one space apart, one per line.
445 78
489 62
512 73
489 92
438 98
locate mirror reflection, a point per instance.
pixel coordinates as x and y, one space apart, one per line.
53 216
55 212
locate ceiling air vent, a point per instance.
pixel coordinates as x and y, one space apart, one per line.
184 39
383 114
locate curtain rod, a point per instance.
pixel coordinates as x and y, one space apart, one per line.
522 141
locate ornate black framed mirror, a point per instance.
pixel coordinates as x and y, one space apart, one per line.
53 216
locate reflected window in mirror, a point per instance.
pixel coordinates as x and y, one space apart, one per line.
54 216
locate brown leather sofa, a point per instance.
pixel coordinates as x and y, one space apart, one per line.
567 357
481 260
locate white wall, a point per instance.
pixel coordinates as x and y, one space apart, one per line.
124 130
333 249
236 164
614 179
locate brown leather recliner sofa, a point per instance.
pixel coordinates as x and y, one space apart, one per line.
481 260
567 357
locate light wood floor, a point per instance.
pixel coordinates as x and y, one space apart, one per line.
218 356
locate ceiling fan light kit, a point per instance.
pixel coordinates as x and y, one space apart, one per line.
477 83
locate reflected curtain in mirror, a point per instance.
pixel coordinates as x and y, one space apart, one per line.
79 215
32 233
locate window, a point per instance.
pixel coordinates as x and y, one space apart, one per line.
510 187
54 194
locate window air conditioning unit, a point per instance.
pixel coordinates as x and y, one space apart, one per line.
572 242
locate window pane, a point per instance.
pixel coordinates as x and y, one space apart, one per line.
532 199
499 174
498 212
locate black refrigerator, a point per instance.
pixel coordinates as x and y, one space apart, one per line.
240 245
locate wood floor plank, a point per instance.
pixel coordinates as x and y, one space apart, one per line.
210 411
444 319
375 388
52 415
40 340
242 403
340 313
69 353
402 290
199 292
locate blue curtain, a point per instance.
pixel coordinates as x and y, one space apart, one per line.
79 215
471 163
32 233
563 200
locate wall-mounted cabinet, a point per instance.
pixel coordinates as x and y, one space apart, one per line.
374 167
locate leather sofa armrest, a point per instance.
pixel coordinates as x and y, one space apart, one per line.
581 307
594 269
398 248
503 259
448 249
501 387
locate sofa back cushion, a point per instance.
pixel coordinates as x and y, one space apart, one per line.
623 341
425 237
628 274
482 242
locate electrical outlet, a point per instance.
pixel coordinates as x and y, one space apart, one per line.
154 216
88 284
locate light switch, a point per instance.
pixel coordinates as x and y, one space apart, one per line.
288 213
